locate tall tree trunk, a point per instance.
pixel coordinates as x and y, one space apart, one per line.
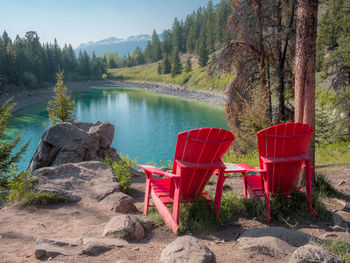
305 59
280 67
269 94
262 59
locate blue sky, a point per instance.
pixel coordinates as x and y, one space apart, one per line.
81 21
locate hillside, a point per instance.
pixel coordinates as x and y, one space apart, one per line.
196 79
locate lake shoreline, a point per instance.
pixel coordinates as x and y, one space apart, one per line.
28 98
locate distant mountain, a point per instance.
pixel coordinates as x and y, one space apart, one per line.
113 44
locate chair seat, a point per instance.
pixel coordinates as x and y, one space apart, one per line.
161 187
255 186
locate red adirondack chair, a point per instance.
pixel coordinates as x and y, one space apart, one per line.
198 153
282 155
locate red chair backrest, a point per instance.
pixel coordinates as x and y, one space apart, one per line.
283 141
203 145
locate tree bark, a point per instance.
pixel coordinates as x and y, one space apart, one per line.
262 55
305 59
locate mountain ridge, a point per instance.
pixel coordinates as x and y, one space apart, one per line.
114 44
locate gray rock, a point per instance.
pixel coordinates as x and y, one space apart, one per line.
124 226
347 206
52 247
313 254
119 202
74 142
292 237
95 246
146 223
74 181
271 246
339 223
186 249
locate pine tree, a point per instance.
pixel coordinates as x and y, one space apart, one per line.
62 107
210 27
167 42
148 52
176 66
159 69
166 65
324 124
203 54
188 66
155 48
177 36
7 158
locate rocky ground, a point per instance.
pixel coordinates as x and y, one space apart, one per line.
25 98
89 231
102 224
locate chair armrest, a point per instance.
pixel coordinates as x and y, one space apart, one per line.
301 157
248 168
153 170
189 165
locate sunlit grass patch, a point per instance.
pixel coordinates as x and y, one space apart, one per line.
197 79
339 247
333 154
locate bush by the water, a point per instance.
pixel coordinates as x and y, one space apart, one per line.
121 170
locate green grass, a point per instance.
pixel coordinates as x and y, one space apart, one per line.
41 199
199 216
21 191
338 247
251 158
196 79
334 154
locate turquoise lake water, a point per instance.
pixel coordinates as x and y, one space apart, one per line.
146 123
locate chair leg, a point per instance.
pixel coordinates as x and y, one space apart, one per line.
267 196
244 183
267 208
176 203
308 179
218 193
147 193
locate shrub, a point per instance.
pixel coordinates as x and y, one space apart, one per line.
121 170
21 191
196 216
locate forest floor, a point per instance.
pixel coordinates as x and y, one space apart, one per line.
21 227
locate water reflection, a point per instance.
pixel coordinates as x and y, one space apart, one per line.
146 123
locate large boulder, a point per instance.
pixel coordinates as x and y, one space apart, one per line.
92 181
52 247
291 237
74 142
124 226
186 249
311 253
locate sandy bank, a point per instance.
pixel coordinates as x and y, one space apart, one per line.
27 98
